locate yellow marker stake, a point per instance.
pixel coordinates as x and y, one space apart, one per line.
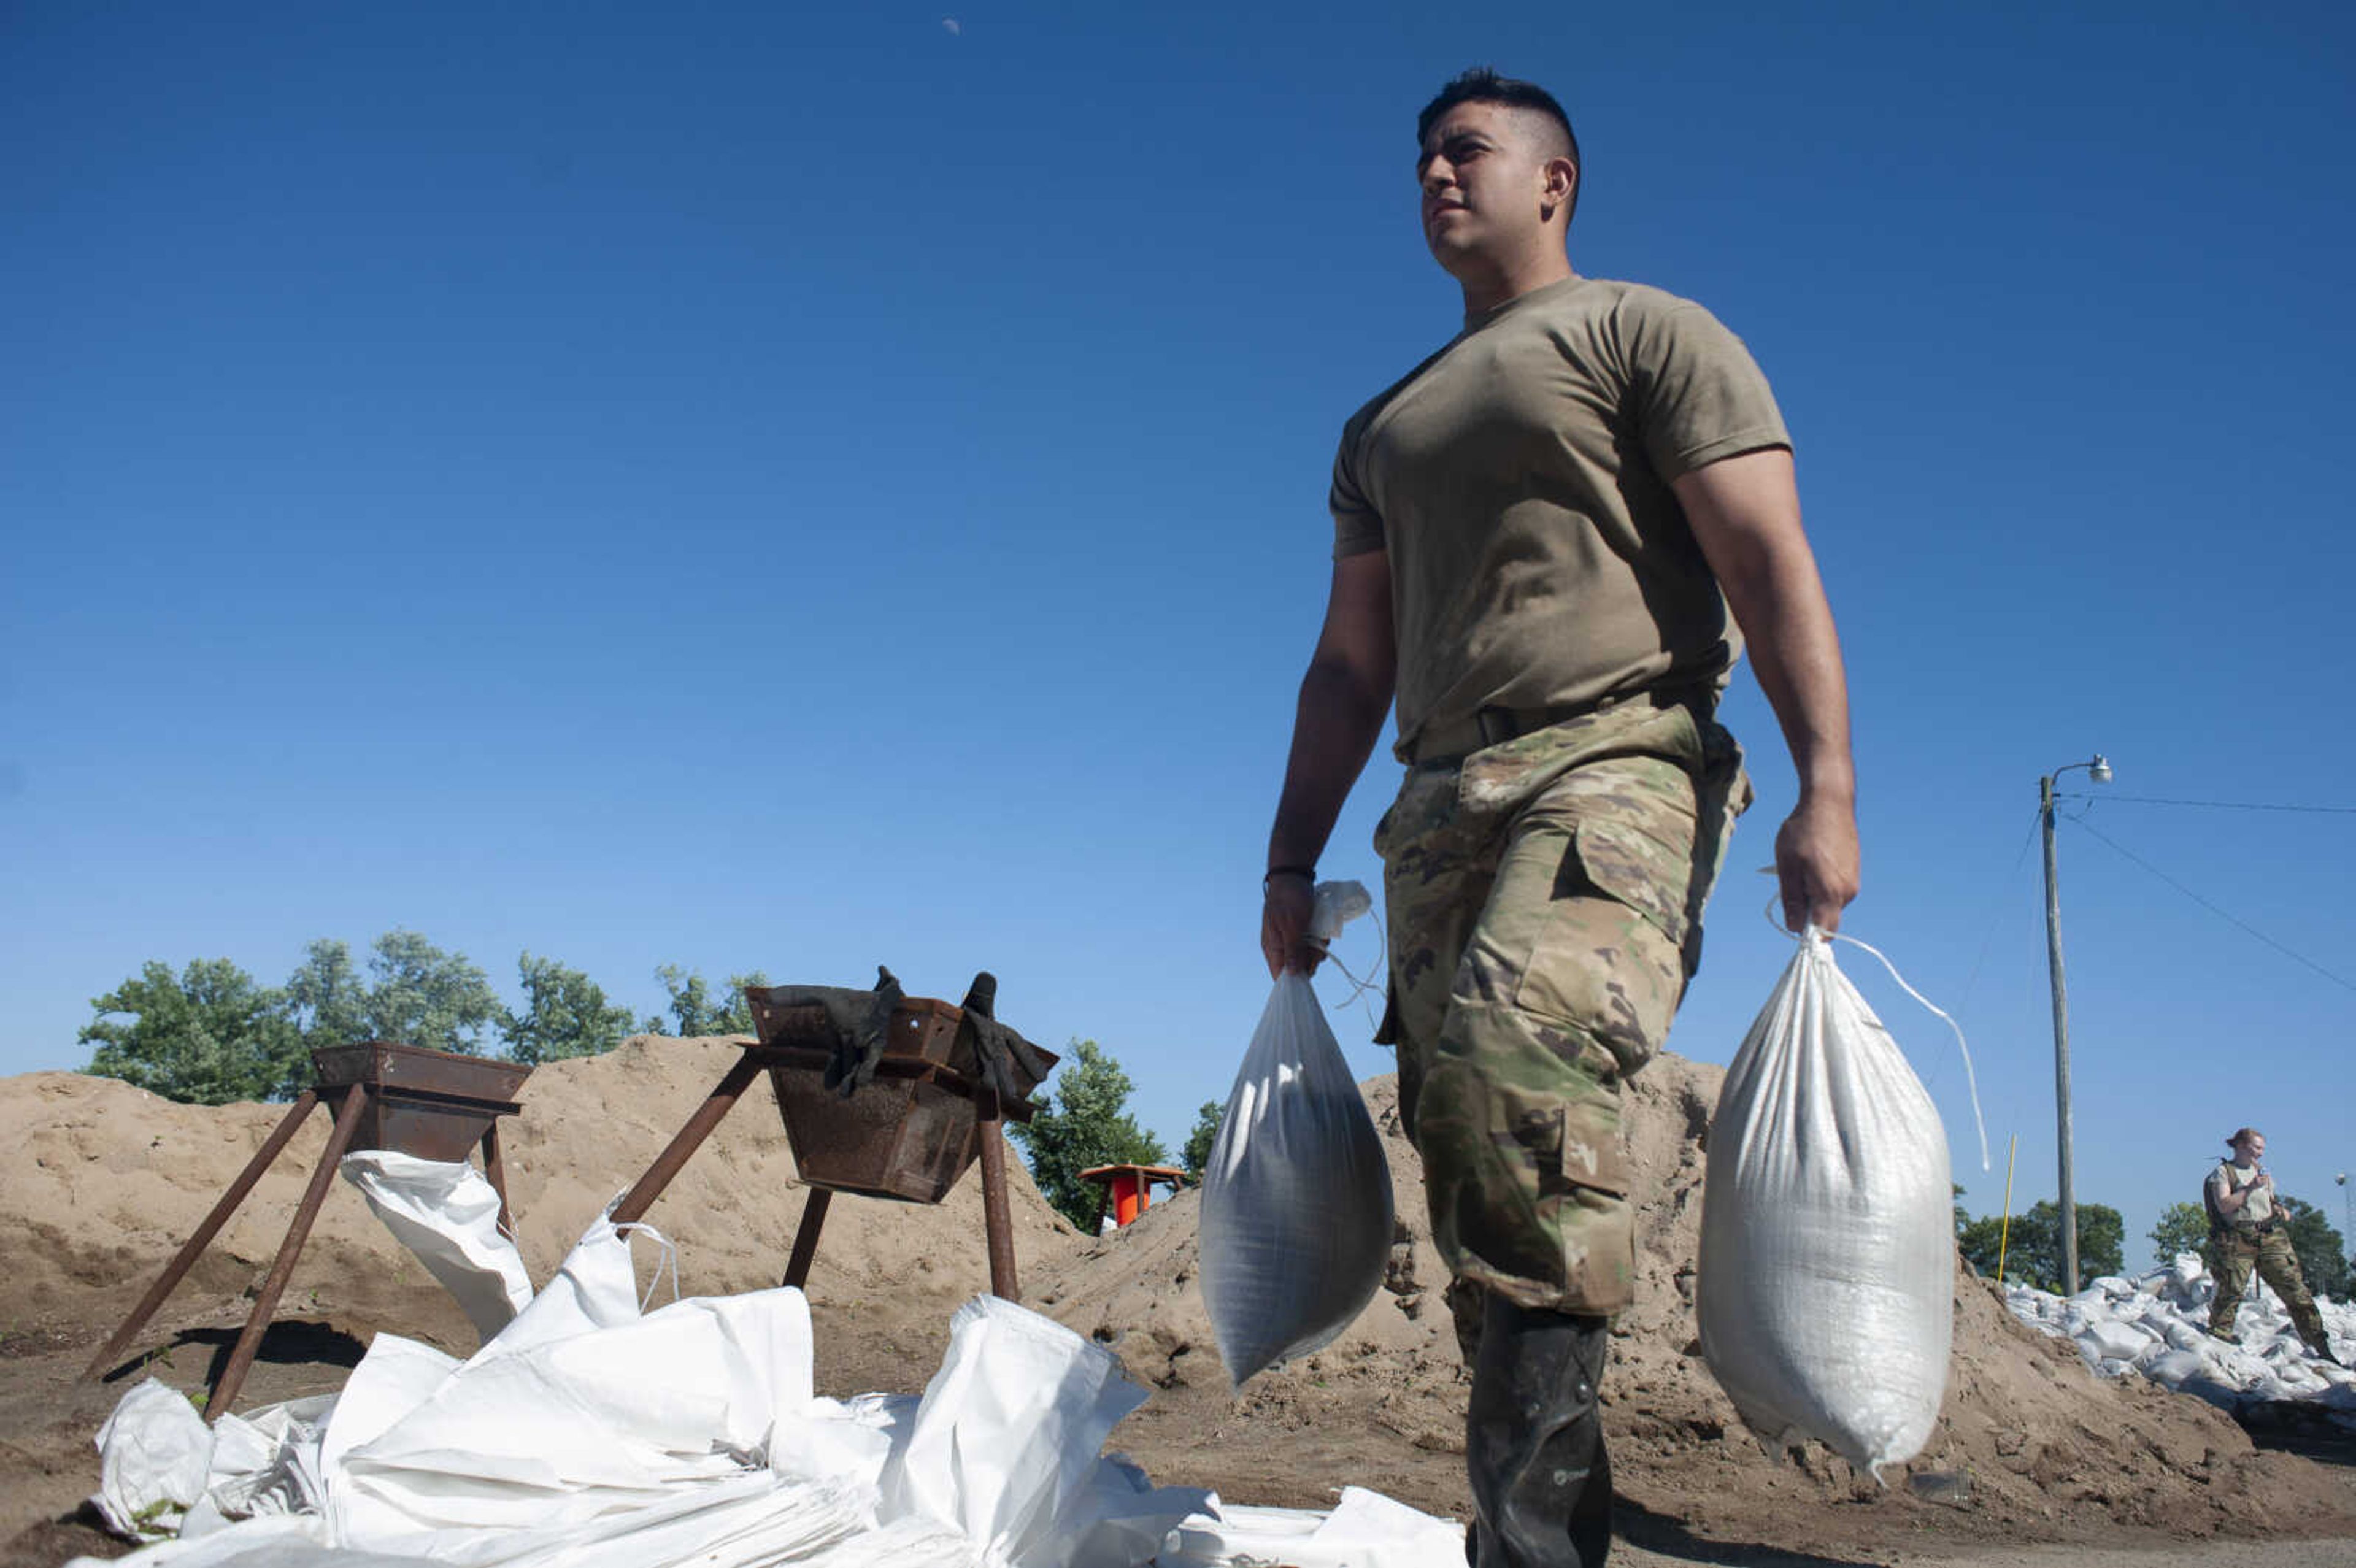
2004 1231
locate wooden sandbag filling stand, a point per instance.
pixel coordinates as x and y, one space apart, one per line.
433 1105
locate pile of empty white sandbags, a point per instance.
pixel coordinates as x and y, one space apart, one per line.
590 1433
2156 1325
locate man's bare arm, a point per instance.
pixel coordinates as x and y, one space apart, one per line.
1745 512
1344 700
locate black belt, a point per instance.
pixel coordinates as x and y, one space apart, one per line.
1495 726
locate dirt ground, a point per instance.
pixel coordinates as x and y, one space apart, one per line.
2035 1461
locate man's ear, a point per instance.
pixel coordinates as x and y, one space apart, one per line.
1558 184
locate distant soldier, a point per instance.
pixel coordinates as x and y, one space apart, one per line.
2245 1231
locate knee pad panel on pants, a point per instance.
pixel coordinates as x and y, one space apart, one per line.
1525 1167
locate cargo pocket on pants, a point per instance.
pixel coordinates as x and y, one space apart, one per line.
1610 964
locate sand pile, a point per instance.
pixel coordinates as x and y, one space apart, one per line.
105 1181
2039 1438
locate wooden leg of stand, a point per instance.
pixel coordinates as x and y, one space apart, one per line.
997 1224
814 1209
496 1169
716 1105
241 1359
185 1259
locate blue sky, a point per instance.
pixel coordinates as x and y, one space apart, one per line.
741 488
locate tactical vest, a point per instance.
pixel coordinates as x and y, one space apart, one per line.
2244 1221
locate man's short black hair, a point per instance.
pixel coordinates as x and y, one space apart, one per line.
1481 84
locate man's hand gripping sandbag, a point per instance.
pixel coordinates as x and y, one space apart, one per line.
1827 1263
1297 1194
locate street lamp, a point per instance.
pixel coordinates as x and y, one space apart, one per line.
2099 770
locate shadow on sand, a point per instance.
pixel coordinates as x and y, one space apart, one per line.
2296 1427
290 1342
1639 1526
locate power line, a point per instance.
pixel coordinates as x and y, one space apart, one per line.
1997 910
2214 805
2222 914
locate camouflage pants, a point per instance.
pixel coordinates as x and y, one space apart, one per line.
1544 899
2233 1253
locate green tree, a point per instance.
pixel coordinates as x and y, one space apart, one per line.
2322 1254
1197 1152
1086 1127
695 1009
735 1012
692 1012
325 997
423 996
565 1014
2033 1254
206 1036
2182 1228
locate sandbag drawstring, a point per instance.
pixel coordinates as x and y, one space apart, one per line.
1971 1077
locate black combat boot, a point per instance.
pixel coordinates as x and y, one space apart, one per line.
1534 1441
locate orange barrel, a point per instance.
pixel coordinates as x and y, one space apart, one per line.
1129 1197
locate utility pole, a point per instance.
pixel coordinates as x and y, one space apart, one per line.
2099 770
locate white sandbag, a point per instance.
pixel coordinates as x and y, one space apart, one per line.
2170 1306
1296 1216
2114 1341
1367 1530
1827 1247
283 1541
904 1544
844 1440
2183 1336
447 1213
553 1436
1005 1446
596 1287
155 1452
395 1377
1119 1517
2172 1367
265 1461
748 1521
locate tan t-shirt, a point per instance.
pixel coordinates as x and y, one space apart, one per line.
1520 480
2229 1178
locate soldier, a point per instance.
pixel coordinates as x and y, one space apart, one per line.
2245 1230
1539 536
